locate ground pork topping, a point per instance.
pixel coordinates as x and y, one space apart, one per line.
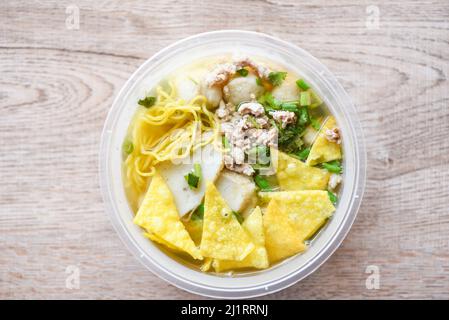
225 110
284 117
244 129
333 135
244 61
224 71
254 108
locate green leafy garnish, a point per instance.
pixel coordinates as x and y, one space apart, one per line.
198 214
197 170
332 166
243 72
305 99
304 153
315 100
147 102
315 123
238 216
276 78
262 183
303 116
127 147
225 142
332 197
289 106
192 180
259 82
269 102
302 84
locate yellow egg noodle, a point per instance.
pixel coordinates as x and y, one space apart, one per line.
169 130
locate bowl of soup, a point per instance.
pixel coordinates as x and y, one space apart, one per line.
232 164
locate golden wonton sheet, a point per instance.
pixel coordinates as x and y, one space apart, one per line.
258 258
159 217
322 149
223 237
293 174
281 238
306 210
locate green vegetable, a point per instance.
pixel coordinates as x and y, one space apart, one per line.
238 216
315 99
302 84
225 142
147 102
269 102
276 78
332 197
332 166
243 72
198 214
303 116
197 170
127 147
262 183
289 106
304 99
259 82
192 180
315 123
303 154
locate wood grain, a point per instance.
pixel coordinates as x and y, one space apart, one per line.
57 85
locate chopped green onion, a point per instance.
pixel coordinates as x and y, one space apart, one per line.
302 84
225 142
243 72
197 170
315 123
332 166
315 99
147 102
303 118
289 106
128 147
238 216
192 180
276 78
262 183
303 154
304 99
259 82
332 197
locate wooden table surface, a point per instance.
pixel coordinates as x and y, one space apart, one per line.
57 83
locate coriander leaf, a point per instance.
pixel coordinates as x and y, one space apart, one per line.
147 102
243 72
259 82
276 78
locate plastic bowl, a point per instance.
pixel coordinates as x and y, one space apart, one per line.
248 284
